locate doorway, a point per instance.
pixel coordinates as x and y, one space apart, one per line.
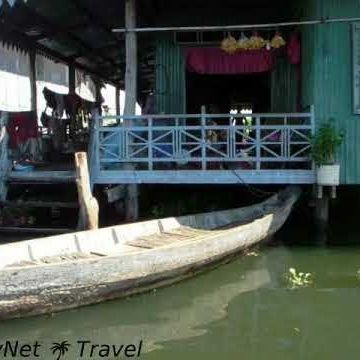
228 92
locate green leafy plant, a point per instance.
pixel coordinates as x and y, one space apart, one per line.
358 274
298 280
325 143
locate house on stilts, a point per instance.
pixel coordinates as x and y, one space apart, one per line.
231 91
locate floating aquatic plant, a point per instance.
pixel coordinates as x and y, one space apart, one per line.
358 274
298 280
252 253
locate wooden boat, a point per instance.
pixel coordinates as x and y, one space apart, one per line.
68 271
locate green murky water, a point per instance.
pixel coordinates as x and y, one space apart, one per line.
243 310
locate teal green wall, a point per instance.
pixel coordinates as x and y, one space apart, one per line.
170 91
284 87
327 77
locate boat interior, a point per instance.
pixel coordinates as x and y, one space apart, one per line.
135 237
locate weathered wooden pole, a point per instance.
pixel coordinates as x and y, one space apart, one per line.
33 89
89 207
98 97
131 202
72 79
117 100
131 58
321 215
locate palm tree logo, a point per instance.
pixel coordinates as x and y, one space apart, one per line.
60 349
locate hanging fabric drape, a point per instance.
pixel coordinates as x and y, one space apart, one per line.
24 136
294 49
214 61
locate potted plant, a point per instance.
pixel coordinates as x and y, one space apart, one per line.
324 145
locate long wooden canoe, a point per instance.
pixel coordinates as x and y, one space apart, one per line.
68 271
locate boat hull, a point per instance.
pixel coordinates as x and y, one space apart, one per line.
39 290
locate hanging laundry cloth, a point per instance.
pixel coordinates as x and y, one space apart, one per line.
72 104
21 127
50 98
58 131
23 133
60 105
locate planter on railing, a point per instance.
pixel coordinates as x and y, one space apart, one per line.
328 175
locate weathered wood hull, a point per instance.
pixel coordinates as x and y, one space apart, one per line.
39 289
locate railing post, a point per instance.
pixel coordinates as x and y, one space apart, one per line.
313 129
177 140
312 119
97 144
231 139
258 144
203 141
127 138
150 143
287 139
122 145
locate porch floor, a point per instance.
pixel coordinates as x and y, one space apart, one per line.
206 177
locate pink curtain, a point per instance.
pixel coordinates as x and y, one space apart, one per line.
216 61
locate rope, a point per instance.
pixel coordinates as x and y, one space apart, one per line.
253 190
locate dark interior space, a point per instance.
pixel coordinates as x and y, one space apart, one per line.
225 91
192 199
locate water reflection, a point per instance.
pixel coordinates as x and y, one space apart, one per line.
175 313
239 311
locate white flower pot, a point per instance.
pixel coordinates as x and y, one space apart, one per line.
328 175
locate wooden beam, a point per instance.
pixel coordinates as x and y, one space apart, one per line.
72 78
44 177
131 202
131 58
117 100
33 89
89 207
236 27
98 97
40 204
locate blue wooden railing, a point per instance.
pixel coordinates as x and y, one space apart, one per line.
160 148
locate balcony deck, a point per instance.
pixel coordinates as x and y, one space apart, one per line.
203 149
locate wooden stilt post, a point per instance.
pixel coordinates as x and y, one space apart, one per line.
321 215
131 203
89 207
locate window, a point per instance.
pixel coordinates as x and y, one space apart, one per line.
15 91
